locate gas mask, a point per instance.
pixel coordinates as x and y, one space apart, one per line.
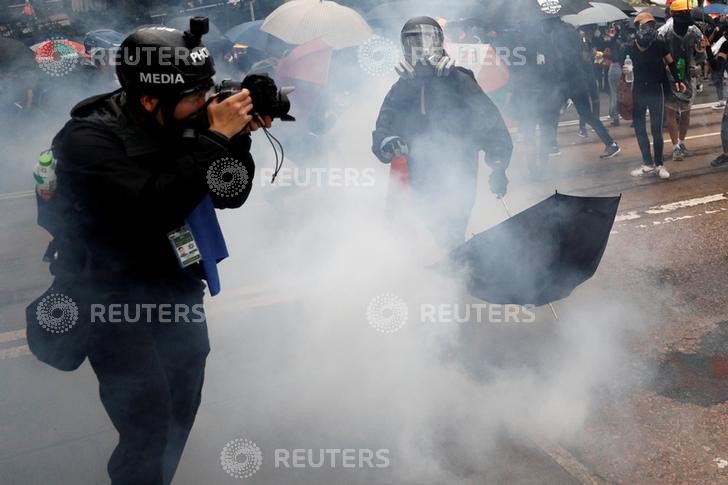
681 22
422 45
646 34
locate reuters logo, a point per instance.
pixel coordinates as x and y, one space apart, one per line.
241 458
378 56
57 57
387 313
227 177
57 313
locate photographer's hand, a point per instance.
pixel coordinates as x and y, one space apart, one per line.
232 115
256 124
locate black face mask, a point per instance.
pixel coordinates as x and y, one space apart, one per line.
645 38
681 23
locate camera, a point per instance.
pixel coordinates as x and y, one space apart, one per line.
268 100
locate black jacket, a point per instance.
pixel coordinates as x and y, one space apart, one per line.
123 185
445 121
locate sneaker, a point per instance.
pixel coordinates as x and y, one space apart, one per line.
677 154
684 150
719 105
615 123
643 170
662 172
583 133
721 160
610 151
555 150
699 88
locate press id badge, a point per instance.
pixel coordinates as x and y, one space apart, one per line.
184 246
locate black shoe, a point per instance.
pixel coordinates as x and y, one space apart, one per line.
720 161
610 151
615 123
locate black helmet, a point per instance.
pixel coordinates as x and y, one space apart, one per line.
165 62
422 39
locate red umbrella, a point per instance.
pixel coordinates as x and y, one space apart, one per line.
306 68
308 62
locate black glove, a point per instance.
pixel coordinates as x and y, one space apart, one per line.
498 182
393 147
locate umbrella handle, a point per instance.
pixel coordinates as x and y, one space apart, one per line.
508 212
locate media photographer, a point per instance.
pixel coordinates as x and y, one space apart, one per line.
140 172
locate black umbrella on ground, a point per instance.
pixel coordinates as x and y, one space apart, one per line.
539 255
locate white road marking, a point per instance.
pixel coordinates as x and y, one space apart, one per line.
673 206
16 195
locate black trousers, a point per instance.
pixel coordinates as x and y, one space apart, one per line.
150 380
584 108
649 97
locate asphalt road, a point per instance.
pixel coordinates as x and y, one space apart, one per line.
667 256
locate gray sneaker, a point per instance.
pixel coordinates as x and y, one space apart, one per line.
677 154
684 149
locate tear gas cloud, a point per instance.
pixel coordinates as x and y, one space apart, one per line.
295 361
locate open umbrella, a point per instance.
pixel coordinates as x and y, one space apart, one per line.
541 254
716 9
250 35
300 21
58 57
598 13
306 68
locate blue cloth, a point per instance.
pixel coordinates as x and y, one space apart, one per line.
210 241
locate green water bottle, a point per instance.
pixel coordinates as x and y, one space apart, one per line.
681 69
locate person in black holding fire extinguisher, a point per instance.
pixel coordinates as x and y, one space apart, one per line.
439 117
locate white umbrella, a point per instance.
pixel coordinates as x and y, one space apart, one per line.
300 21
598 13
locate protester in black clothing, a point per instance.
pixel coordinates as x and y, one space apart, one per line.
439 116
649 56
577 84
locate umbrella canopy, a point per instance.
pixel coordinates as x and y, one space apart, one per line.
541 254
504 14
300 21
716 8
308 62
250 35
306 68
598 13
58 57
